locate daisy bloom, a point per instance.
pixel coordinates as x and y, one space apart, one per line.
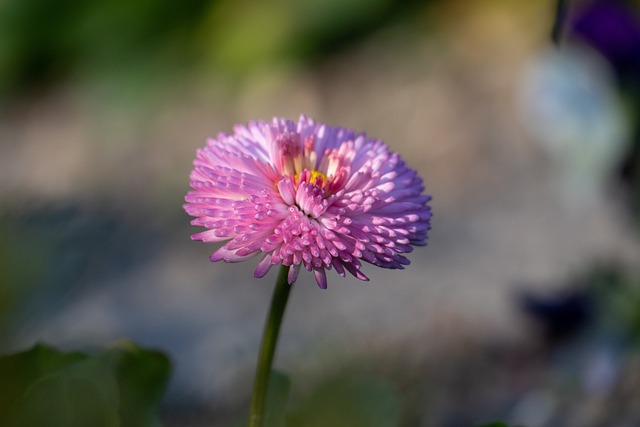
306 194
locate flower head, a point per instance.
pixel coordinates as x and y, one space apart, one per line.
306 194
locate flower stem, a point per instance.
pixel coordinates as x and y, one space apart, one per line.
268 348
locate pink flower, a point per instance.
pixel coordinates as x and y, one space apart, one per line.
307 194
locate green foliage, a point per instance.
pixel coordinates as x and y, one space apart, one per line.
132 43
353 401
244 35
618 295
279 389
118 387
349 402
42 41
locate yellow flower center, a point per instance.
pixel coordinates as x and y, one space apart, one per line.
315 175
313 178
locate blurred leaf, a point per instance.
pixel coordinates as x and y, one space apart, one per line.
43 41
618 294
243 35
18 371
323 17
142 376
494 424
349 402
279 388
277 397
81 394
120 387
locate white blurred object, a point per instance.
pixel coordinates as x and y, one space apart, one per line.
570 106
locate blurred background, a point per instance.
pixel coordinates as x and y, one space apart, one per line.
524 307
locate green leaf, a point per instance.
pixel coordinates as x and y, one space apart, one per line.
494 424
349 402
278 394
19 371
142 376
78 395
116 388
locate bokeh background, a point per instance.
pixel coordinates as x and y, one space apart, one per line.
524 307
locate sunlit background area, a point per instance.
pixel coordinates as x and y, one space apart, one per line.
525 305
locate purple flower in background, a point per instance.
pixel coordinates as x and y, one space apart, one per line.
613 29
307 194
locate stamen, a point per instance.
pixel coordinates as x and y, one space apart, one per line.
310 176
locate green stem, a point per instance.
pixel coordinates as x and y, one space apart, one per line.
268 348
